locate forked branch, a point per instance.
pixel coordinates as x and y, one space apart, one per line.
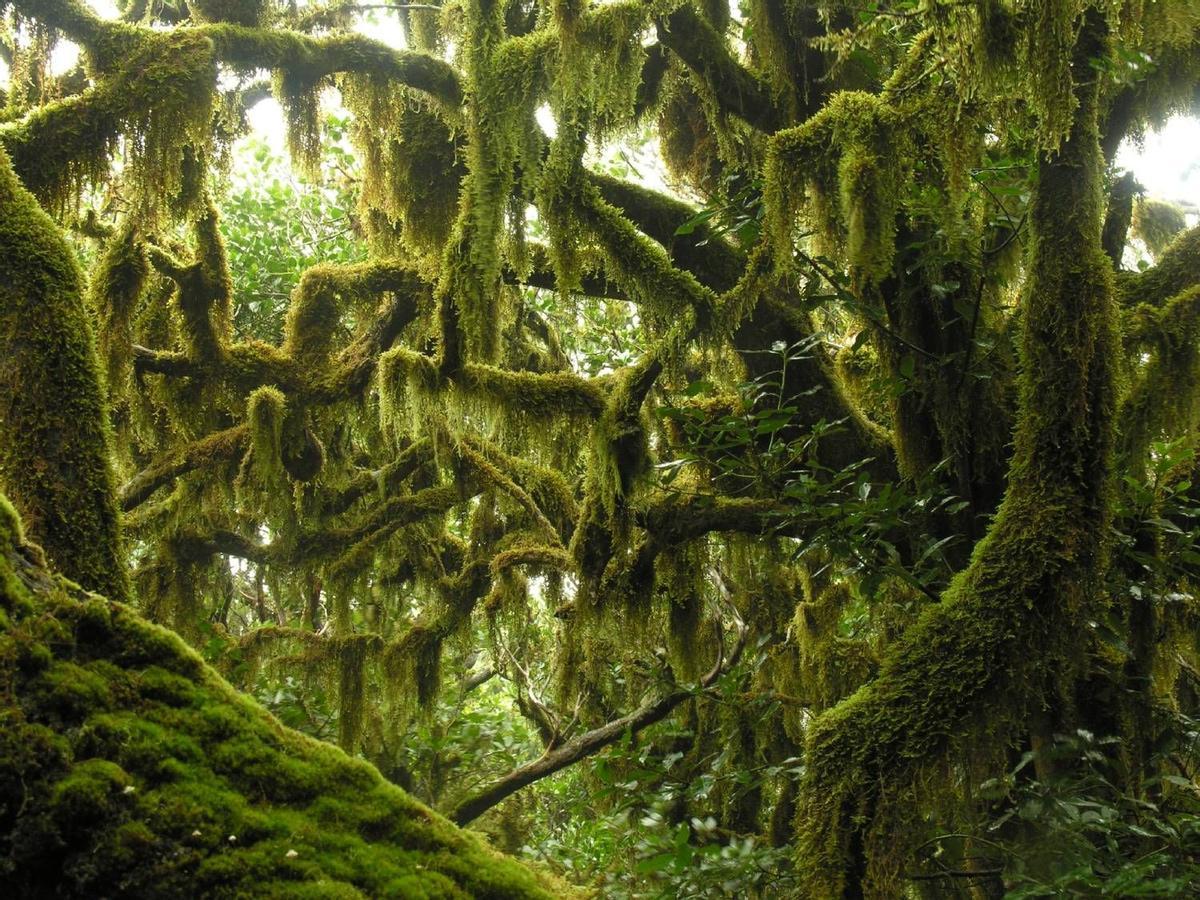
583 746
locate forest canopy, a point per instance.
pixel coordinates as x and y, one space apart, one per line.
708 448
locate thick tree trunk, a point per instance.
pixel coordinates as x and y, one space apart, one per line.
974 666
54 437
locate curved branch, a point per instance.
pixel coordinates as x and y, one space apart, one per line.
245 47
222 446
394 473
676 520
711 258
704 51
312 59
1176 270
597 739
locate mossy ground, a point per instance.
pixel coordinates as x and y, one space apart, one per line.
130 768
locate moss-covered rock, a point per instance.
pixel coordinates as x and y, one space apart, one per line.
130 768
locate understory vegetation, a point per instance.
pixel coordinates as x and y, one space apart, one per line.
705 450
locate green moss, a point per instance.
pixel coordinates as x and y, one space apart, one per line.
642 267
540 396
1157 222
852 195
831 667
265 412
620 442
546 487
412 664
412 173
205 295
54 433
113 293
1177 269
160 100
502 482
1165 386
238 12
300 99
313 315
1006 629
149 776
689 143
87 795
12 532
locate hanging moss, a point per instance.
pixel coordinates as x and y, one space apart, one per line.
831 667
680 574
160 101
498 121
1156 223
238 12
1049 36
338 661
689 145
611 35
851 195
413 665
300 98
412 173
546 486
1177 269
502 482
999 34
537 557
1162 402
113 294
778 43
54 433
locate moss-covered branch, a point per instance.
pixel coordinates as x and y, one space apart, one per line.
73 18
704 51
219 447
161 98
710 257
811 383
1118 217
308 59
243 47
1175 271
1162 399
536 394
382 481
677 520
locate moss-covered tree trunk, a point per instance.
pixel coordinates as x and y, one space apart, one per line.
974 667
54 438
